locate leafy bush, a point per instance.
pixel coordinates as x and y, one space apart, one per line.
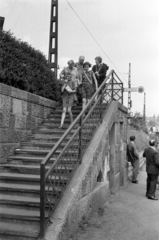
23 67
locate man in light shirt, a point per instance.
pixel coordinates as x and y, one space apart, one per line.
79 65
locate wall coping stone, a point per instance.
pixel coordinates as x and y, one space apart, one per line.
26 96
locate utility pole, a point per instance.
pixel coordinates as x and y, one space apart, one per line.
129 93
53 39
1 25
144 110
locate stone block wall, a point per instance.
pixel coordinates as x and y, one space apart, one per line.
20 113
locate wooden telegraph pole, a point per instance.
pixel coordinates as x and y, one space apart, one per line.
144 110
129 93
53 39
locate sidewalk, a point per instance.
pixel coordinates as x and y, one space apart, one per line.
127 216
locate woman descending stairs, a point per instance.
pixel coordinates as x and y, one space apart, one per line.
20 179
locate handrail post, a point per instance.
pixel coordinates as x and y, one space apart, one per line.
112 86
42 200
122 94
101 105
80 140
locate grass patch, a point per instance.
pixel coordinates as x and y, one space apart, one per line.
141 140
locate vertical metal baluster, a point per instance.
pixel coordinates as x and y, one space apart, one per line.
112 86
42 200
122 90
80 141
101 106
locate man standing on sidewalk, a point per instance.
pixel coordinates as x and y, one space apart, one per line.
152 169
133 157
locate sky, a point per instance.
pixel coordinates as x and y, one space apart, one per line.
120 31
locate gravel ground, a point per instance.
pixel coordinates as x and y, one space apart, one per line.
127 216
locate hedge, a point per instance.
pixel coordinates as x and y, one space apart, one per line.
26 68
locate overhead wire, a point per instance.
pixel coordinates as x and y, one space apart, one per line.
94 38
99 45
20 13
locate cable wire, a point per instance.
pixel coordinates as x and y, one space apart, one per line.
20 13
93 38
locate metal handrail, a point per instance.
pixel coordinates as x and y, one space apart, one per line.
90 107
46 159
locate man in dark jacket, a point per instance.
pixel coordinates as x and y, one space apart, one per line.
152 169
133 157
100 70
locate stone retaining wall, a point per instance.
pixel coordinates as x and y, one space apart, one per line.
102 172
20 113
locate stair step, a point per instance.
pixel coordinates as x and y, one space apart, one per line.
59 112
19 200
33 151
52 127
39 152
18 231
12 237
19 213
15 176
40 144
34 169
29 177
58 116
42 138
53 131
79 106
12 187
74 110
35 145
55 121
37 159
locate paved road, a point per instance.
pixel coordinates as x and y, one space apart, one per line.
127 216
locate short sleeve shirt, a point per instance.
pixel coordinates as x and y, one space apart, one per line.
67 71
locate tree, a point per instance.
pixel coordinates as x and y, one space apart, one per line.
152 123
157 119
26 68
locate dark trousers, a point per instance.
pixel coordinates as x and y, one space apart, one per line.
151 184
135 165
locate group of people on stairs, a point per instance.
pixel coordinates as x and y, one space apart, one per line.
152 165
79 82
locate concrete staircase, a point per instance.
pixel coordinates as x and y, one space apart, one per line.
20 180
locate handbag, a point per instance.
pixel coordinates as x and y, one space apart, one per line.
68 89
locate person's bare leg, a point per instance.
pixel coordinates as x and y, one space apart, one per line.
63 117
83 103
70 114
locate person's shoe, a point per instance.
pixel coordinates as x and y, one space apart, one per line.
152 198
146 195
136 181
61 127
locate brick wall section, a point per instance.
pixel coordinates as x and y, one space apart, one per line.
20 113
